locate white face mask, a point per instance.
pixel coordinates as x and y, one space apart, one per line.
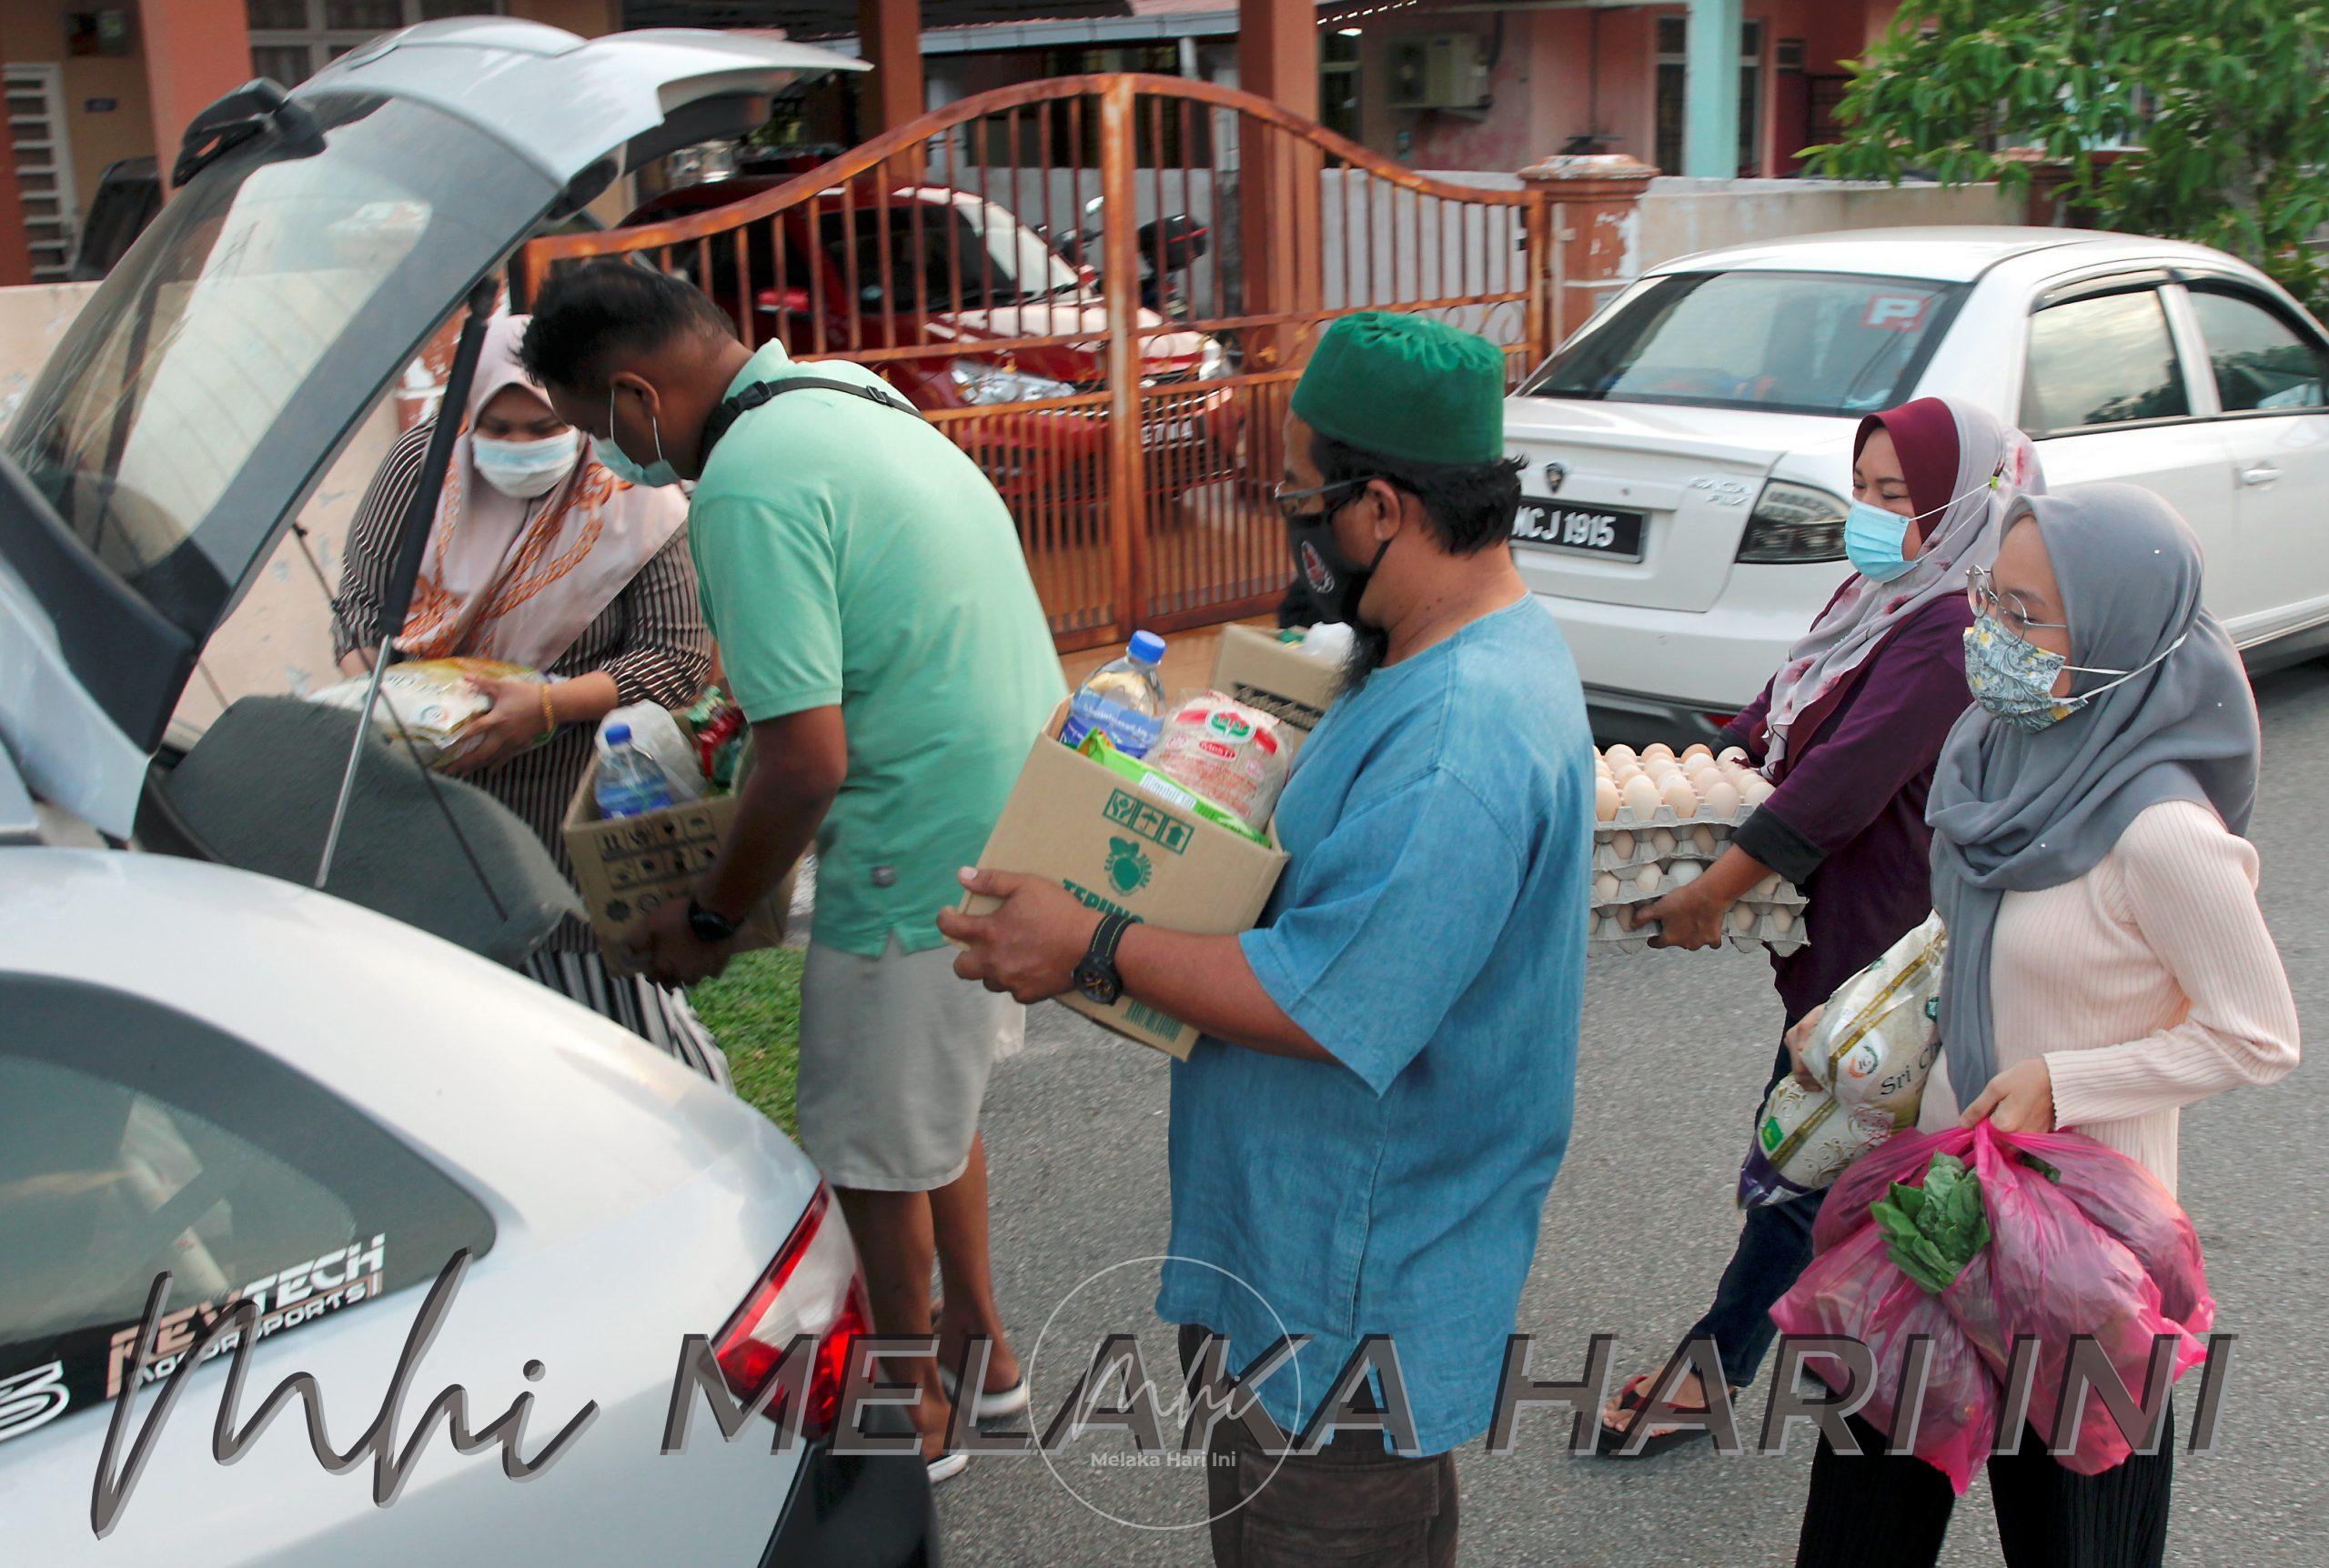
524 469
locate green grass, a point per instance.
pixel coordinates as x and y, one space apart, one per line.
754 1011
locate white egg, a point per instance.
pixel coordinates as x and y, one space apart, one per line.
1639 797
1734 756
1766 890
1617 754
1682 873
1661 843
1621 844
1781 921
1722 802
1699 749
1705 841
1605 801
1742 919
1754 789
1658 749
1681 798
1646 881
1604 888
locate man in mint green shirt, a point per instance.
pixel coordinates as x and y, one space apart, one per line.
877 626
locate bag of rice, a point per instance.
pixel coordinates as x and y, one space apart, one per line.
432 698
1872 1050
1226 752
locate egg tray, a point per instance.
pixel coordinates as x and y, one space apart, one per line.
1607 859
1664 817
1786 896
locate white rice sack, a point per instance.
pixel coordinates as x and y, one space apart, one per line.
1872 1051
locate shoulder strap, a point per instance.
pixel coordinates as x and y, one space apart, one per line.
735 408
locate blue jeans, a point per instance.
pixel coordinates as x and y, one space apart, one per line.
1774 1248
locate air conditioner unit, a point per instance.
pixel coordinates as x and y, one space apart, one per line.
1441 73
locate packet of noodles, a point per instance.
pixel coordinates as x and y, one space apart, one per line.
1156 784
1225 752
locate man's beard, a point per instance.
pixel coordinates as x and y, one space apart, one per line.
1370 646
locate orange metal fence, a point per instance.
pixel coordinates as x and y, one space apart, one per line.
1135 441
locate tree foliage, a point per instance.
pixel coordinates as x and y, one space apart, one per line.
2228 100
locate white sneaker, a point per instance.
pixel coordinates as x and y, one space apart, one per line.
948 1465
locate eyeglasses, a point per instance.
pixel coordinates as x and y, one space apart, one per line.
1983 593
1285 499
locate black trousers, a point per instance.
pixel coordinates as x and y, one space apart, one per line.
1352 1505
1877 1510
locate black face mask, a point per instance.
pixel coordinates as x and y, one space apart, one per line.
1333 581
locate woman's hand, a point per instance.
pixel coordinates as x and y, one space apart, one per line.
1798 1037
515 721
2019 1099
1689 917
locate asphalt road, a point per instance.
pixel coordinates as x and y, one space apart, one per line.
1637 1230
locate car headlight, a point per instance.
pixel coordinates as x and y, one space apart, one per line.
1793 524
1213 360
981 381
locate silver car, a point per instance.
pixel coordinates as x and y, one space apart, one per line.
228 1099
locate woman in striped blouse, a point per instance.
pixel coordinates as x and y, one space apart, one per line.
539 557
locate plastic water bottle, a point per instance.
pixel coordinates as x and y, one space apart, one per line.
1124 700
629 781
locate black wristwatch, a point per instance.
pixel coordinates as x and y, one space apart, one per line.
710 925
1096 976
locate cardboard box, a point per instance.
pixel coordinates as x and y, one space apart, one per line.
1117 848
1252 666
629 867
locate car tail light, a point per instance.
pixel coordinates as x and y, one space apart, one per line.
811 1288
1793 524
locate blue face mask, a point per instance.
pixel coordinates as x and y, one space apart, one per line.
1873 536
1872 539
653 475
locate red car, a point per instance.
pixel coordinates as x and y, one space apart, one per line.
937 265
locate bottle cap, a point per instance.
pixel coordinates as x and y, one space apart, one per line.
618 735
1147 646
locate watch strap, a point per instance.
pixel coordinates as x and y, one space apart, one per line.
1106 936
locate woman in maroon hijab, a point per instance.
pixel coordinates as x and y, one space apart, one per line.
1848 731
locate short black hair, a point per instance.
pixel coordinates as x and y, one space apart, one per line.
1470 506
586 315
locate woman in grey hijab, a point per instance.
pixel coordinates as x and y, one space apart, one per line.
2107 963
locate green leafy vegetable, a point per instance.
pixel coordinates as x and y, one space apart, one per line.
1932 1232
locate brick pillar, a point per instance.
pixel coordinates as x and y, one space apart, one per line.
15 244
1596 206
890 35
1278 219
197 52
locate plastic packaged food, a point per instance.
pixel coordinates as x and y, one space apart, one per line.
1156 784
427 701
1224 752
1872 1051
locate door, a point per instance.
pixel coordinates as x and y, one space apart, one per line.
2107 394
36 100
2270 371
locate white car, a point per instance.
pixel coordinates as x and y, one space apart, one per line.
1688 453
287 1104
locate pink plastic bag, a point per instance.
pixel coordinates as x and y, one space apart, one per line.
2082 1241
1853 1291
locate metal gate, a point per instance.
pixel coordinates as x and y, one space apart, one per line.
1135 442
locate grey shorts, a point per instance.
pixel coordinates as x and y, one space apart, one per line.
895 1057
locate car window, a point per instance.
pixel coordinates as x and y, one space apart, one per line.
2104 360
934 251
1797 342
2258 359
135 1139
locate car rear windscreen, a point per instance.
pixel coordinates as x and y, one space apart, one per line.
1789 342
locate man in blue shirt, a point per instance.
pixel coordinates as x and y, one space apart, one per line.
1362 1143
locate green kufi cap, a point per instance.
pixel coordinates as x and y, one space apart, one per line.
1406 386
